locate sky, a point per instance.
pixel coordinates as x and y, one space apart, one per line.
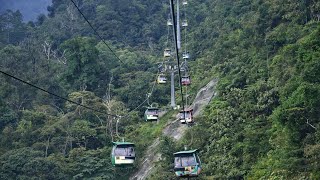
30 9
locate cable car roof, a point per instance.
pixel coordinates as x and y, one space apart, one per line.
185 152
152 108
123 143
186 110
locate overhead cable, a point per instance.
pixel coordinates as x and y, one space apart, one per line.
53 94
95 31
177 51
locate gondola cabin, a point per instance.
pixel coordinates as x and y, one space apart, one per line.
186 55
184 23
186 116
161 79
123 154
169 22
151 114
167 53
185 80
187 163
184 2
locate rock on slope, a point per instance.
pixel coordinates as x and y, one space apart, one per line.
175 130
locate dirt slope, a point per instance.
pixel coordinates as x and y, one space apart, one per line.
175 130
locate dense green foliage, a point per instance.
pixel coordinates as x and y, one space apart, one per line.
262 124
45 137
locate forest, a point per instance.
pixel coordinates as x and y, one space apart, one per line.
262 123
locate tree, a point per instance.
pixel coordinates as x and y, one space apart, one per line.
83 72
27 163
13 29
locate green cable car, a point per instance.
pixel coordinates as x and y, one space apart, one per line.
151 114
123 154
187 163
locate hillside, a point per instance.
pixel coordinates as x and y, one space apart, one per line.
261 124
173 129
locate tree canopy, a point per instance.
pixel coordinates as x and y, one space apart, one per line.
263 122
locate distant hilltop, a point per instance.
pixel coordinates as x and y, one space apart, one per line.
30 9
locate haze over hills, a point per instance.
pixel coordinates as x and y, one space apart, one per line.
30 9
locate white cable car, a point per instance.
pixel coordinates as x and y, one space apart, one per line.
184 23
184 2
186 55
169 22
151 114
186 116
161 79
167 52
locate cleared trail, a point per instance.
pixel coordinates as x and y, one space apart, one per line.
175 130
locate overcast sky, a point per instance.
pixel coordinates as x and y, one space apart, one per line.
30 9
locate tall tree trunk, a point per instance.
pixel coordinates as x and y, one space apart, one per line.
47 146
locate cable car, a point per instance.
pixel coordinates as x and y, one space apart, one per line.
169 22
185 80
186 116
151 114
167 52
123 154
184 23
161 79
185 55
187 163
184 2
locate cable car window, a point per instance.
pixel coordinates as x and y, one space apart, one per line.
188 161
187 115
128 151
152 111
177 162
131 151
184 161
